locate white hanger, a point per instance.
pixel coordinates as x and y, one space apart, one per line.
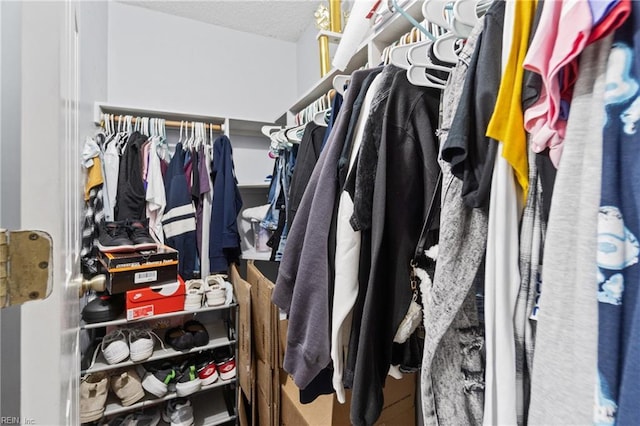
321 117
434 12
460 29
418 77
340 81
181 126
464 11
268 130
444 48
419 56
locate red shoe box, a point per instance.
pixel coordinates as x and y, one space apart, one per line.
155 300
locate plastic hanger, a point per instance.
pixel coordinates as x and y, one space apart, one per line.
434 12
419 56
444 48
321 117
418 76
340 81
464 11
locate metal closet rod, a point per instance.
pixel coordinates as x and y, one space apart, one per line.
172 123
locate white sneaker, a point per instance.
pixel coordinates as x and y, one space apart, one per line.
194 294
141 343
178 412
114 347
215 292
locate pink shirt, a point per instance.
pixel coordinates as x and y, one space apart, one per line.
561 36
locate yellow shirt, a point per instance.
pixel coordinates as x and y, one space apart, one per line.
507 122
94 177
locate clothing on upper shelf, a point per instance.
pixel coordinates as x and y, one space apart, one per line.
174 193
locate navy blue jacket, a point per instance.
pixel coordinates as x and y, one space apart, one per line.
224 240
179 219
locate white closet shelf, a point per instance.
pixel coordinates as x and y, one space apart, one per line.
123 320
253 185
218 338
238 126
113 405
384 34
252 254
210 411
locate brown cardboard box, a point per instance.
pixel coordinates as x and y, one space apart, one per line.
264 316
242 290
399 405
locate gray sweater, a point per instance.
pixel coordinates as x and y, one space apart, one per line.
302 287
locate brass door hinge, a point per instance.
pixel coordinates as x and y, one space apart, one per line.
26 266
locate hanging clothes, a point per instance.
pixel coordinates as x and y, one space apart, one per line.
130 199
302 284
93 210
450 311
155 193
564 364
178 220
224 240
618 230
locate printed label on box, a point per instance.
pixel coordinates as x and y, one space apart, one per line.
141 312
145 277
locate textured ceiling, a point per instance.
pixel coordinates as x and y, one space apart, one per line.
281 19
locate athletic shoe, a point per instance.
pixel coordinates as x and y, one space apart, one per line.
215 292
141 343
156 381
194 294
113 237
225 363
198 331
178 412
188 381
150 417
207 370
179 339
93 395
139 235
114 347
128 387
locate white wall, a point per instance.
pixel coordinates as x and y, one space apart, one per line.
308 59
159 61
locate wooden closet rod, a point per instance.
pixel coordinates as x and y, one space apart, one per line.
173 124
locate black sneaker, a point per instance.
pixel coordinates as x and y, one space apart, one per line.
113 237
188 381
139 235
156 380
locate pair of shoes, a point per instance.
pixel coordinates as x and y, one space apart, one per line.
191 334
94 389
209 292
120 344
93 395
124 236
147 417
184 379
178 412
158 379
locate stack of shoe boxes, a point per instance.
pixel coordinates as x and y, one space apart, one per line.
146 272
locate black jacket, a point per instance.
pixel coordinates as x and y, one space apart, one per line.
406 179
130 196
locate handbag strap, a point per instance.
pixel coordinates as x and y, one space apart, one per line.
432 212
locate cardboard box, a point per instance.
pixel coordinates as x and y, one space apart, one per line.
161 299
398 409
244 366
130 271
264 317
